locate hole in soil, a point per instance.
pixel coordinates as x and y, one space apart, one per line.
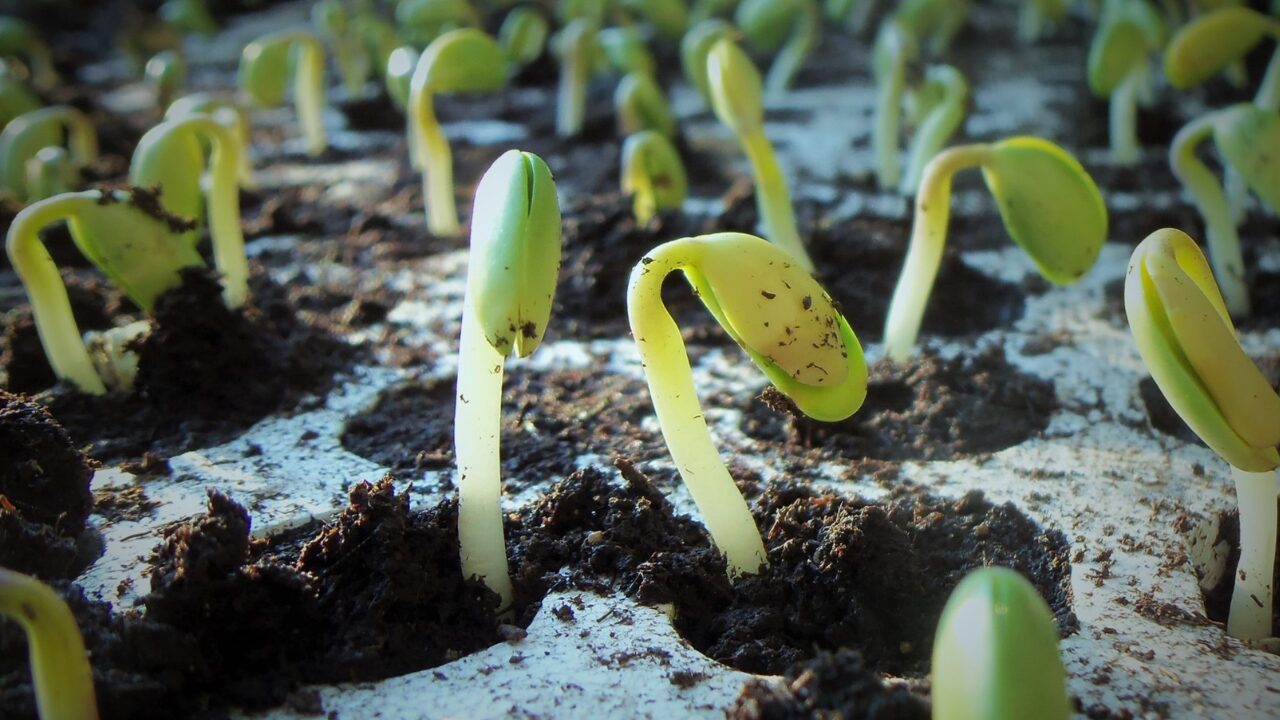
847 573
1214 546
926 409
1162 415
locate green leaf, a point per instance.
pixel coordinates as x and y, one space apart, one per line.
1249 139
464 60
264 69
1049 204
1206 46
524 34
1117 50
173 162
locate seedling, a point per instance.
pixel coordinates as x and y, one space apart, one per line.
940 107
60 670
995 655
785 322
1119 67
465 60
1049 205
1219 39
51 171
1239 132
264 70
640 105
377 36
137 246
1036 18
511 280
736 97
626 51
333 24
523 35
576 46
15 100
694 48
653 174
790 27
895 47
20 40
226 111
171 156
933 23
27 134
854 14
420 22
166 72
1184 333
670 18
398 77
188 16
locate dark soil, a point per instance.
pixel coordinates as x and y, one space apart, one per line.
831 685
1217 601
926 409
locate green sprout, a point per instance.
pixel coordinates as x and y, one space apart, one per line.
188 16
652 174
854 14
591 10
60 670
171 156
1049 204
378 37
27 134
736 97
895 47
511 281
422 21
995 654
398 75
785 322
18 39
626 51
141 251
933 23
332 22
576 46
1217 40
670 18
1238 132
1038 17
15 99
1120 68
639 105
523 35
694 48
1184 334
940 103
791 27
51 171
228 112
264 70
463 60
166 72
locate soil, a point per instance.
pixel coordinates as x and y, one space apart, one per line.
831 685
1217 600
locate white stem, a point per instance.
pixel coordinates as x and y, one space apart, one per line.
1250 617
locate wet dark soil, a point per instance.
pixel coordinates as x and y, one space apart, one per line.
1217 600
926 409
831 685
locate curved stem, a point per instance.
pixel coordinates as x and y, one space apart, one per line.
924 254
50 305
1251 598
1123 120
675 401
1220 231
308 93
571 97
60 669
884 133
436 161
225 231
477 444
938 126
773 200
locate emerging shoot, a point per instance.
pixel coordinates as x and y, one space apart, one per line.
934 23
27 134
576 46
626 51
166 72
422 21
264 70
790 27
940 105
523 35
785 322
1219 39
15 99
332 22
60 670
511 280
653 174
1184 334
639 105
227 112
694 48
895 47
1049 205
1119 67
20 40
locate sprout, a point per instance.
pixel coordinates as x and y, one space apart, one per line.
736 98
523 35
626 51
640 105
694 48
27 134
1048 203
465 60
264 69
1036 17
422 21
1119 68
1184 334
653 174
171 156
792 27
15 100
18 39
60 668
995 655
166 71
398 78
188 16
50 172
854 14
1238 132
591 10
669 17
226 111
575 45
785 322
1218 39
511 280
895 47
941 104
934 23
378 38
138 247
331 21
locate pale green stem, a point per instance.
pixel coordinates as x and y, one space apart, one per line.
60 670
477 446
224 215
436 162
308 93
937 127
773 200
50 305
1237 191
639 183
1123 120
571 100
1251 598
924 254
1268 96
884 137
804 36
675 401
1220 230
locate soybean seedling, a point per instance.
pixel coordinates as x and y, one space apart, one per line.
18 39
1036 18
264 70
1239 132
51 171
853 14
15 99
639 104
226 111
464 60
188 16
940 104
1119 68
736 97
1219 39
60 671
626 51
792 28
652 174
670 18
995 654
398 78
1184 334
577 47
1049 206
27 134
934 23
166 72
523 35
420 22
785 322
694 48
333 23
138 246
895 47
171 156
511 280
